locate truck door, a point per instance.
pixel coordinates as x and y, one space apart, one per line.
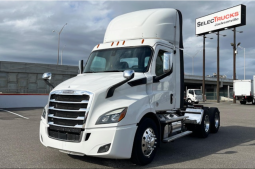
191 95
163 97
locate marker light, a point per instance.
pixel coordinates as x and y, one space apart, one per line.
123 43
112 43
98 45
118 43
142 41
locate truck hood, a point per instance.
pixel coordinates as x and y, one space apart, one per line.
94 81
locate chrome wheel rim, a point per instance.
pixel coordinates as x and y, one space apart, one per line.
206 123
217 119
189 101
148 142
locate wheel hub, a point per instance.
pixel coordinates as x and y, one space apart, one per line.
148 142
216 120
206 123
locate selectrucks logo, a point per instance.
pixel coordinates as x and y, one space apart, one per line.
224 19
228 18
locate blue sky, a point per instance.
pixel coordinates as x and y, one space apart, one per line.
26 31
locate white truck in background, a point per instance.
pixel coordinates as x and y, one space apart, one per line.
244 90
194 96
128 99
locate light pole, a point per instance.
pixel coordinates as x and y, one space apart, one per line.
204 67
218 65
238 45
62 53
193 61
59 39
234 59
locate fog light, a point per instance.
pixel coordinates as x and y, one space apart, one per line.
104 148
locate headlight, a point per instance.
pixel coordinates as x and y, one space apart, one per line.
113 116
44 113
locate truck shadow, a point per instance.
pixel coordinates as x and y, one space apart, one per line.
188 148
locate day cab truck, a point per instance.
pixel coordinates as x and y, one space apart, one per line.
194 96
128 98
244 90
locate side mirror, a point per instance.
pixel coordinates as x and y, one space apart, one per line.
46 77
80 66
129 74
168 62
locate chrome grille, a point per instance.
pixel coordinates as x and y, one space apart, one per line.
67 113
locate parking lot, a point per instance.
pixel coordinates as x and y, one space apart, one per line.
232 147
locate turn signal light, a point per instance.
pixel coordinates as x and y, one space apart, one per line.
123 114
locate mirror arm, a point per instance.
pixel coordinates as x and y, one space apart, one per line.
111 89
158 78
48 83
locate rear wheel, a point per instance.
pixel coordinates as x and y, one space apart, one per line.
214 119
242 102
145 143
203 129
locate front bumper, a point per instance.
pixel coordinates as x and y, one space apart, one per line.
121 140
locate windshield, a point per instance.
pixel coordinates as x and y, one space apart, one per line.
119 59
198 92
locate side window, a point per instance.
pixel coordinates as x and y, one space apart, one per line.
159 63
191 92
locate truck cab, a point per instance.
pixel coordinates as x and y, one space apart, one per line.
128 97
194 96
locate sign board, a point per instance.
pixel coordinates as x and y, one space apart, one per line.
228 18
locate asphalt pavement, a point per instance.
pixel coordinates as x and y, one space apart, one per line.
232 147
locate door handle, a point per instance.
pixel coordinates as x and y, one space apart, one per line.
171 98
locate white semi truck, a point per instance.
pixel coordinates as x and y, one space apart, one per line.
128 99
194 96
244 90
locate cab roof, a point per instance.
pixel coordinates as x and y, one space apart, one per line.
146 24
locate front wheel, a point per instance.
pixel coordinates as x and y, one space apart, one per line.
189 101
145 143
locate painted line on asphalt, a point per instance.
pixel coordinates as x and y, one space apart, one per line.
14 113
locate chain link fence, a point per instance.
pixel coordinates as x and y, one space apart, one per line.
213 95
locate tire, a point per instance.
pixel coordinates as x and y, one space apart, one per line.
242 102
141 153
203 129
189 101
214 119
197 102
